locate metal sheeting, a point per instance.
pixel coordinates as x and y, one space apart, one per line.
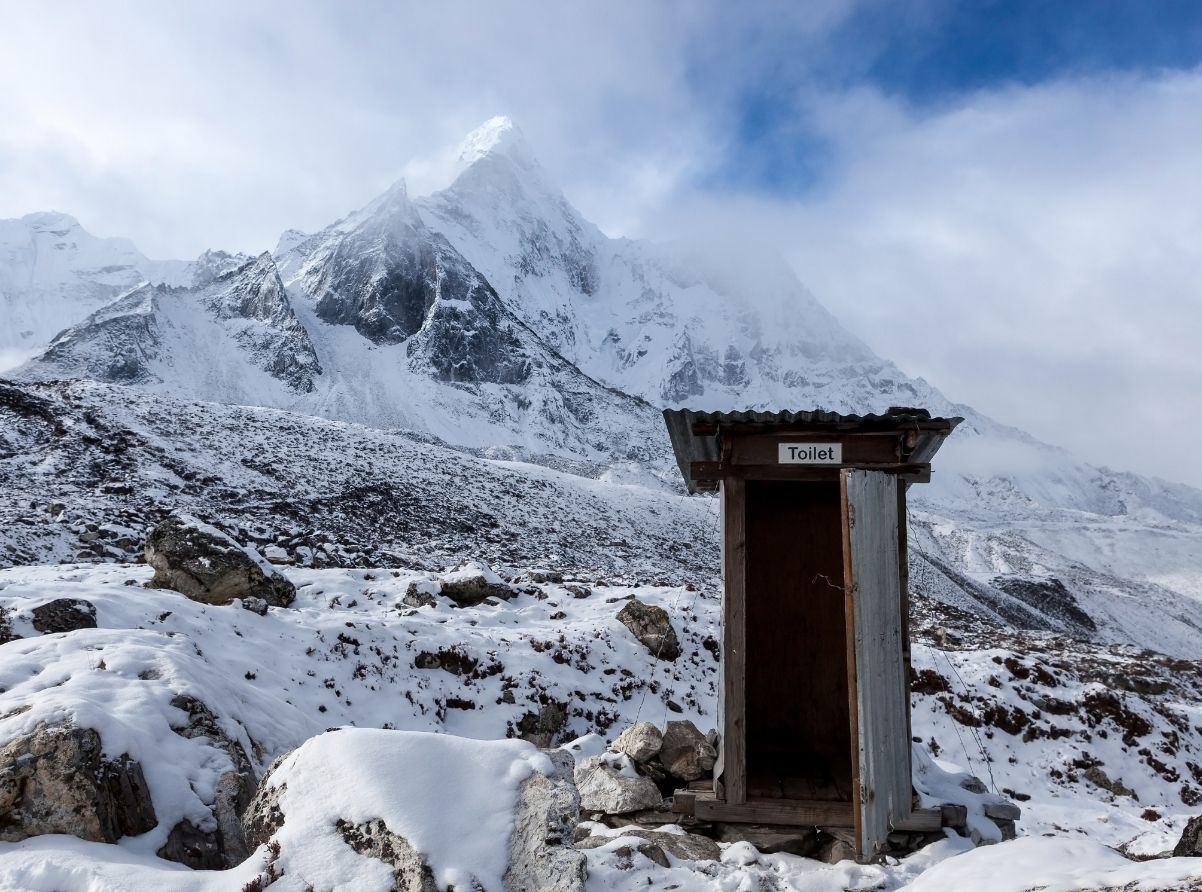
881 686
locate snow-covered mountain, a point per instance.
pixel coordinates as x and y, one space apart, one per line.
53 273
492 316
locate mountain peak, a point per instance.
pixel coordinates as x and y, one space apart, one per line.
496 136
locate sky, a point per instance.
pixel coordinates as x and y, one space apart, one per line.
1003 198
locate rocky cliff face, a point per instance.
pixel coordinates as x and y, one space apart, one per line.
53 273
153 333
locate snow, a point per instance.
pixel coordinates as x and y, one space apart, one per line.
451 798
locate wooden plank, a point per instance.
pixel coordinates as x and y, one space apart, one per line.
700 471
683 802
733 774
849 608
885 792
921 820
858 449
778 811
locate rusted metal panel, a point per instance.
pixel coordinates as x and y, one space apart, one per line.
880 686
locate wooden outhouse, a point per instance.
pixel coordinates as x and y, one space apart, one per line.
814 701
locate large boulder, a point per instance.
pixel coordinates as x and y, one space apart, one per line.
541 858
397 785
55 779
686 754
1190 844
641 741
472 584
222 844
608 786
64 615
652 627
204 564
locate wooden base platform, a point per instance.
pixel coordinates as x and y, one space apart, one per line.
705 806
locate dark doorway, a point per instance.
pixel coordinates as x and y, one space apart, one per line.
798 715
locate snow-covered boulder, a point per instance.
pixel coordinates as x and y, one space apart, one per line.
201 562
55 779
610 785
420 812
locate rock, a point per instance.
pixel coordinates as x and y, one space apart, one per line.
255 605
64 615
603 789
973 784
541 858
472 583
649 850
541 727
415 597
56 780
651 626
640 741
954 816
202 563
225 844
1099 778
410 872
836 846
772 839
1008 828
687 846
578 591
1002 810
685 753
1190 844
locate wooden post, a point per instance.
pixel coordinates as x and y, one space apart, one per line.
734 656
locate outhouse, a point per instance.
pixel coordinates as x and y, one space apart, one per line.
814 706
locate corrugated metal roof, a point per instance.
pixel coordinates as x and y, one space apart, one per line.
691 446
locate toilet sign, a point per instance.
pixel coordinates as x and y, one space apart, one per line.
810 454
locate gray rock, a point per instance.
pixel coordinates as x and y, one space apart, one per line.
410 872
255 605
1097 776
1190 844
206 565
685 754
954 816
225 845
541 858
652 627
1002 810
541 727
973 784
603 789
415 597
641 741
64 615
686 846
55 780
473 590
772 839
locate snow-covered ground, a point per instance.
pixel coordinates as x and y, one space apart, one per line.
1029 714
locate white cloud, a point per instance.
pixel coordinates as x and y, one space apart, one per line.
1035 252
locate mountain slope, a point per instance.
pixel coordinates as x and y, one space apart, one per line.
53 273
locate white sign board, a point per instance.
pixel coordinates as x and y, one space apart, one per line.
810 453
